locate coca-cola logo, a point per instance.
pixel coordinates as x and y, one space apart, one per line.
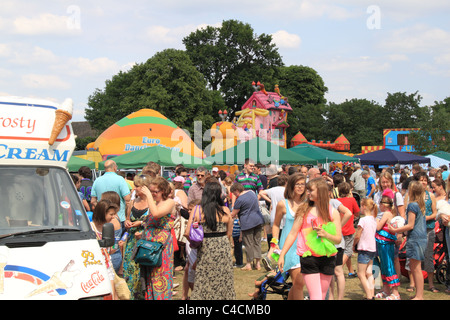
94 281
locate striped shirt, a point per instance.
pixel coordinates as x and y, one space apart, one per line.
187 185
396 178
250 182
236 228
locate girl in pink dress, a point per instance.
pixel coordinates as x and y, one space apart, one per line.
317 228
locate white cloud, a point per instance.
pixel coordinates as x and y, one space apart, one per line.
159 34
398 57
44 81
34 56
85 67
5 50
173 36
46 23
443 59
359 66
127 67
439 67
306 9
418 38
6 75
284 39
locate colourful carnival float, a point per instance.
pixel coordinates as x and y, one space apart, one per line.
263 115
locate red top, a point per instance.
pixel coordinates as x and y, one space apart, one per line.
351 204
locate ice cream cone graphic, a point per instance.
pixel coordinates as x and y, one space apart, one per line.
62 115
3 264
2 277
59 280
52 284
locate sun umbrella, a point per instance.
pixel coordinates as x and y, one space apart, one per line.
260 151
321 155
76 163
163 156
390 157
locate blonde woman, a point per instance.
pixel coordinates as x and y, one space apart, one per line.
135 217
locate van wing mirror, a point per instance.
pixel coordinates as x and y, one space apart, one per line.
107 236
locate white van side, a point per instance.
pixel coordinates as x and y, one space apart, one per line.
48 249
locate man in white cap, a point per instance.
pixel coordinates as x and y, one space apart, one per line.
272 176
359 183
215 172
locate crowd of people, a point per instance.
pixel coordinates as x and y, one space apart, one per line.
316 220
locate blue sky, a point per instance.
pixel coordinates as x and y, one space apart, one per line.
362 49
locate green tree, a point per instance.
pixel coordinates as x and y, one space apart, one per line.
308 120
358 119
434 130
305 91
168 83
302 85
81 143
230 57
403 111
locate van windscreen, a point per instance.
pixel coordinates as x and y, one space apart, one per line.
32 198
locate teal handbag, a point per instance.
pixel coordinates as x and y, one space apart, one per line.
148 253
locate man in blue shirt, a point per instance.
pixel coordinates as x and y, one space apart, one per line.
111 181
445 172
371 184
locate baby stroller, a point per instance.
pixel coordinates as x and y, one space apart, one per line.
439 256
276 282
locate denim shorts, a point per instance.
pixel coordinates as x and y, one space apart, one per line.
416 249
365 257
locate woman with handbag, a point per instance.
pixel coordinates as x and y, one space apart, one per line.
134 223
157 228
214 277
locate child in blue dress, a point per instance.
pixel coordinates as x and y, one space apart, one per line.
416 229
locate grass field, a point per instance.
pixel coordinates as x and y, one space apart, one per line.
244 284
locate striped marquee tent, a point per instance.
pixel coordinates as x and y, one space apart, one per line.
142 129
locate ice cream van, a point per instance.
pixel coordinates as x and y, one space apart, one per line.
48 249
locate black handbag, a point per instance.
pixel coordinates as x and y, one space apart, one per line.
148 253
